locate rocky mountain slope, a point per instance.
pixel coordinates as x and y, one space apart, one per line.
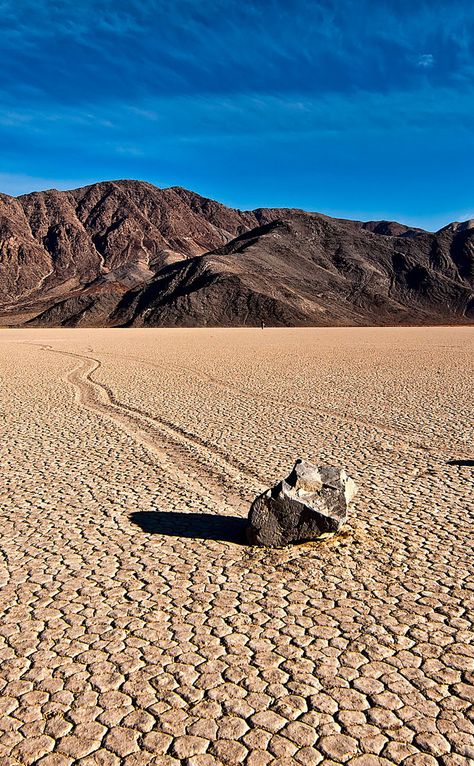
127 253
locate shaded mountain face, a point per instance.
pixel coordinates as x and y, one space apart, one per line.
127 253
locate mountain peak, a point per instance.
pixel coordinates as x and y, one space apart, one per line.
456 226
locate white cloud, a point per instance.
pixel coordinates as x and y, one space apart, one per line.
425 61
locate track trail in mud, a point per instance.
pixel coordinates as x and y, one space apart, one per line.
197 465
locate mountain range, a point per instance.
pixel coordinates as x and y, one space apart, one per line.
126 253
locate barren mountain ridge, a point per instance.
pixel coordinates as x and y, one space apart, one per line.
126 253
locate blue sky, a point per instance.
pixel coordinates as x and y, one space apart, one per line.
357 108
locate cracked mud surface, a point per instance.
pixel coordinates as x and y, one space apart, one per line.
138 628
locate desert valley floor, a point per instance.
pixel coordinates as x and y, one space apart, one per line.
137 627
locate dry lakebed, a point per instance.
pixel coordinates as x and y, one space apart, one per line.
138 627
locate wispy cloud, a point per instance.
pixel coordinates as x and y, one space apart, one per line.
70 52
136 127
425 60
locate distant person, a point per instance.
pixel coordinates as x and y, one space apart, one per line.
262 324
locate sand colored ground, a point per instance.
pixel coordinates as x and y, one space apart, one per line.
137 628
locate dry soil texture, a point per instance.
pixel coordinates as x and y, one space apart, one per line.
136 626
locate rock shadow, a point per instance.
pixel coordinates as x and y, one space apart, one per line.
461 462
198 526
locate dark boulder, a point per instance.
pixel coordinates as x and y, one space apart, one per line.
310 504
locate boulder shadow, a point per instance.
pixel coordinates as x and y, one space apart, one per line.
469 463
198 526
